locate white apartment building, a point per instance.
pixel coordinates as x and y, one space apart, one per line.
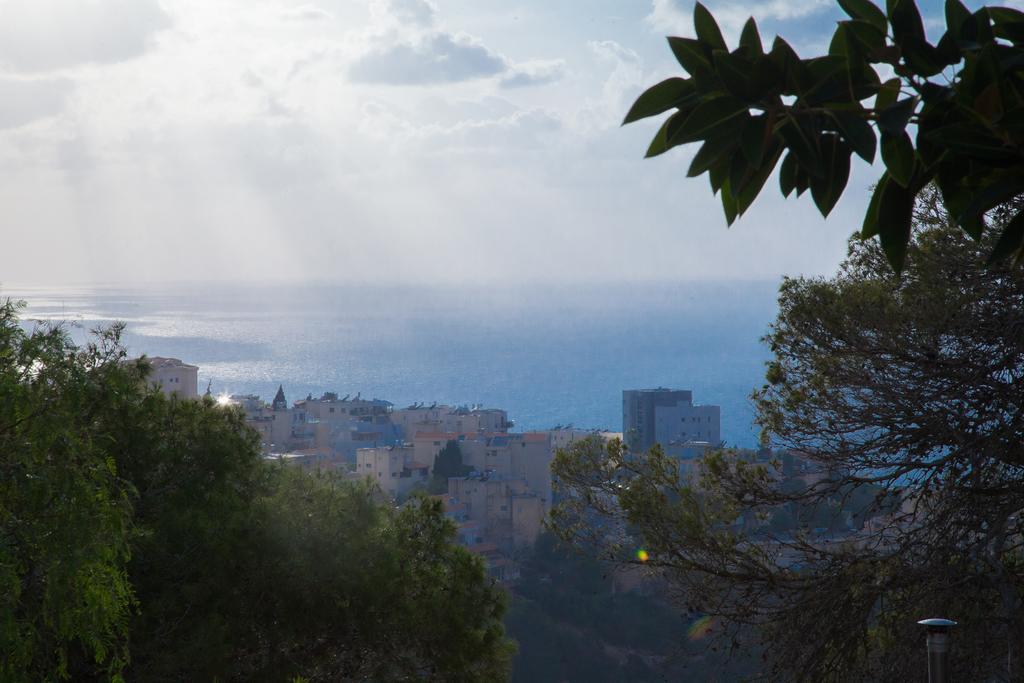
173 377
393 468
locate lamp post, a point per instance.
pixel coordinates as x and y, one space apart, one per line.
938 648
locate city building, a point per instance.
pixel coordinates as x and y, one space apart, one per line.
526 456
272 422
174 377
393 468
344 425
670 418
442 418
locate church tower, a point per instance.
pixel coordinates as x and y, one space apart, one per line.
279 401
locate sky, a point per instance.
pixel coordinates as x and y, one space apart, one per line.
375 141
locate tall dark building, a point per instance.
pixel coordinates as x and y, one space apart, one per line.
638 414
668 417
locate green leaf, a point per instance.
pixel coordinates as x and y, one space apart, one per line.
751 39
755 135
828 80
982 27
706 117
787 174
887 94
858 133
792 70
893 119
735 72
659 143
659 98
905 19
956 16
803 181
728 203
710 152
800 143
717 176
865 11
835 156
870 227
739 170
922 57
957 192
707 28
989 103
1008 24
869 35
690 55
754 182
971 140
895 211
898 155
992 193
1011 240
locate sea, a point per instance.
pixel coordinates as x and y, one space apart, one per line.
548 354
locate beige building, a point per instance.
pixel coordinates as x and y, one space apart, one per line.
508 513
441 418
393 468
342 424
526 456
273 422
174 377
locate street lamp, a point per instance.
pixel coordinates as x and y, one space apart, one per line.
938 648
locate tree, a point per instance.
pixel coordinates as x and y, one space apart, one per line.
346 589
146 536
65 513
447 463
910 386
962 99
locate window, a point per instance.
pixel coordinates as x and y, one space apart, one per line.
332 410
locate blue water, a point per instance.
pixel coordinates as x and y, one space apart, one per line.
548 355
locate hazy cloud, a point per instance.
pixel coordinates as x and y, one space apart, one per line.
43 35
306 13
416 12
539 72
435 58
239 148
676 16
26 100
410 49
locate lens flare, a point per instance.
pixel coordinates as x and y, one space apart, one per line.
642 555
700 628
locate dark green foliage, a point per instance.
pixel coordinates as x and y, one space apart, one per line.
954 115
144 535
904 398
447 463
64 512
572 624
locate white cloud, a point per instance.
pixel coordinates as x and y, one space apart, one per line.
409 48
238 148
537 72
676 16
415 12
44 35
306 13
24 100
434 58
